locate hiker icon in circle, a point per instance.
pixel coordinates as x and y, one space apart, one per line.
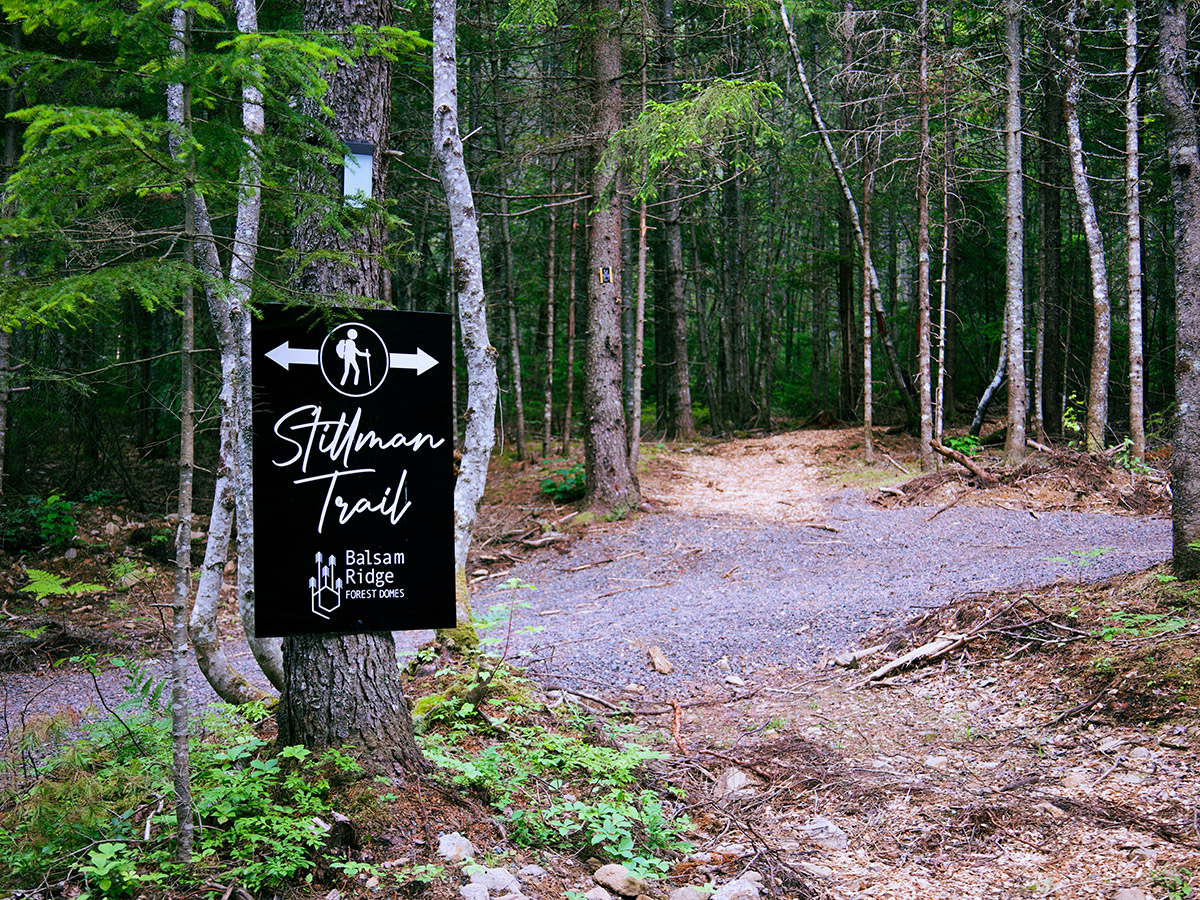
348 352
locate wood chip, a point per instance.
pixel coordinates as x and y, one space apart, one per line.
659 660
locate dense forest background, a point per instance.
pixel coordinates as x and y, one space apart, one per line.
738 255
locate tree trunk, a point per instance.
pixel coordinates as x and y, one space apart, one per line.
710 391
1050 155
846 322
611 486
1097 408
1014 217
514 332
681 425
479 419
230 317
345 690
902 382
868 375
572 287
924 348
1183 158
347 264
1133 231
989 392
181 770
551 264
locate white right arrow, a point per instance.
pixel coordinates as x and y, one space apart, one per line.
421 361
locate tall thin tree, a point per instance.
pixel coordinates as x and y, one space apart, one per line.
1014 217
1097 405
1183 159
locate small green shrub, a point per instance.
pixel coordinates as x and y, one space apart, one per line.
55 518
46 584
558 790
49 522
566 484
99 812
967 445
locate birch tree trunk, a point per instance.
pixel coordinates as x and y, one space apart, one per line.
1014 217
227 307
611 486
1097 407
902 382
479 419
181 771
1133 231
1049 287
924 349
1183 158
243 255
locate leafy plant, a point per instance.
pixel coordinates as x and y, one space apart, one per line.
47 584
49 522
566 484
96 810
1124 623
55 519
558 790
1081 559
967 445
1126 459
1178 885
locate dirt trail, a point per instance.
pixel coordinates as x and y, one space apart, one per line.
758 559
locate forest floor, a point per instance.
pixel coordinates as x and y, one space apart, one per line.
1044 744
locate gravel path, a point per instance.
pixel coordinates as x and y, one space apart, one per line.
772 595
749 563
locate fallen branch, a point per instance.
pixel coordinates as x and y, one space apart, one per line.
938 647
549 537
974 468
942 509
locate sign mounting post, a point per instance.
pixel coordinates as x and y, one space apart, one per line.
353 471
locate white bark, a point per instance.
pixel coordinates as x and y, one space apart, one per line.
181 771
1014 215
924 347
855 222
1133 217
228 298
1097 407
479 419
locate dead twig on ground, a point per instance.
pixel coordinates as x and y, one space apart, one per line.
974 468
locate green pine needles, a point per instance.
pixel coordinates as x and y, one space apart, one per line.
93 212
721 117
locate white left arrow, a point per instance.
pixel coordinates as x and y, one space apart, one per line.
293 356
421 361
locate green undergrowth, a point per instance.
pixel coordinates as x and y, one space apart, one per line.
556 778
96 811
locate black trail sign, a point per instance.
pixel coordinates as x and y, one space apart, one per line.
353 471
